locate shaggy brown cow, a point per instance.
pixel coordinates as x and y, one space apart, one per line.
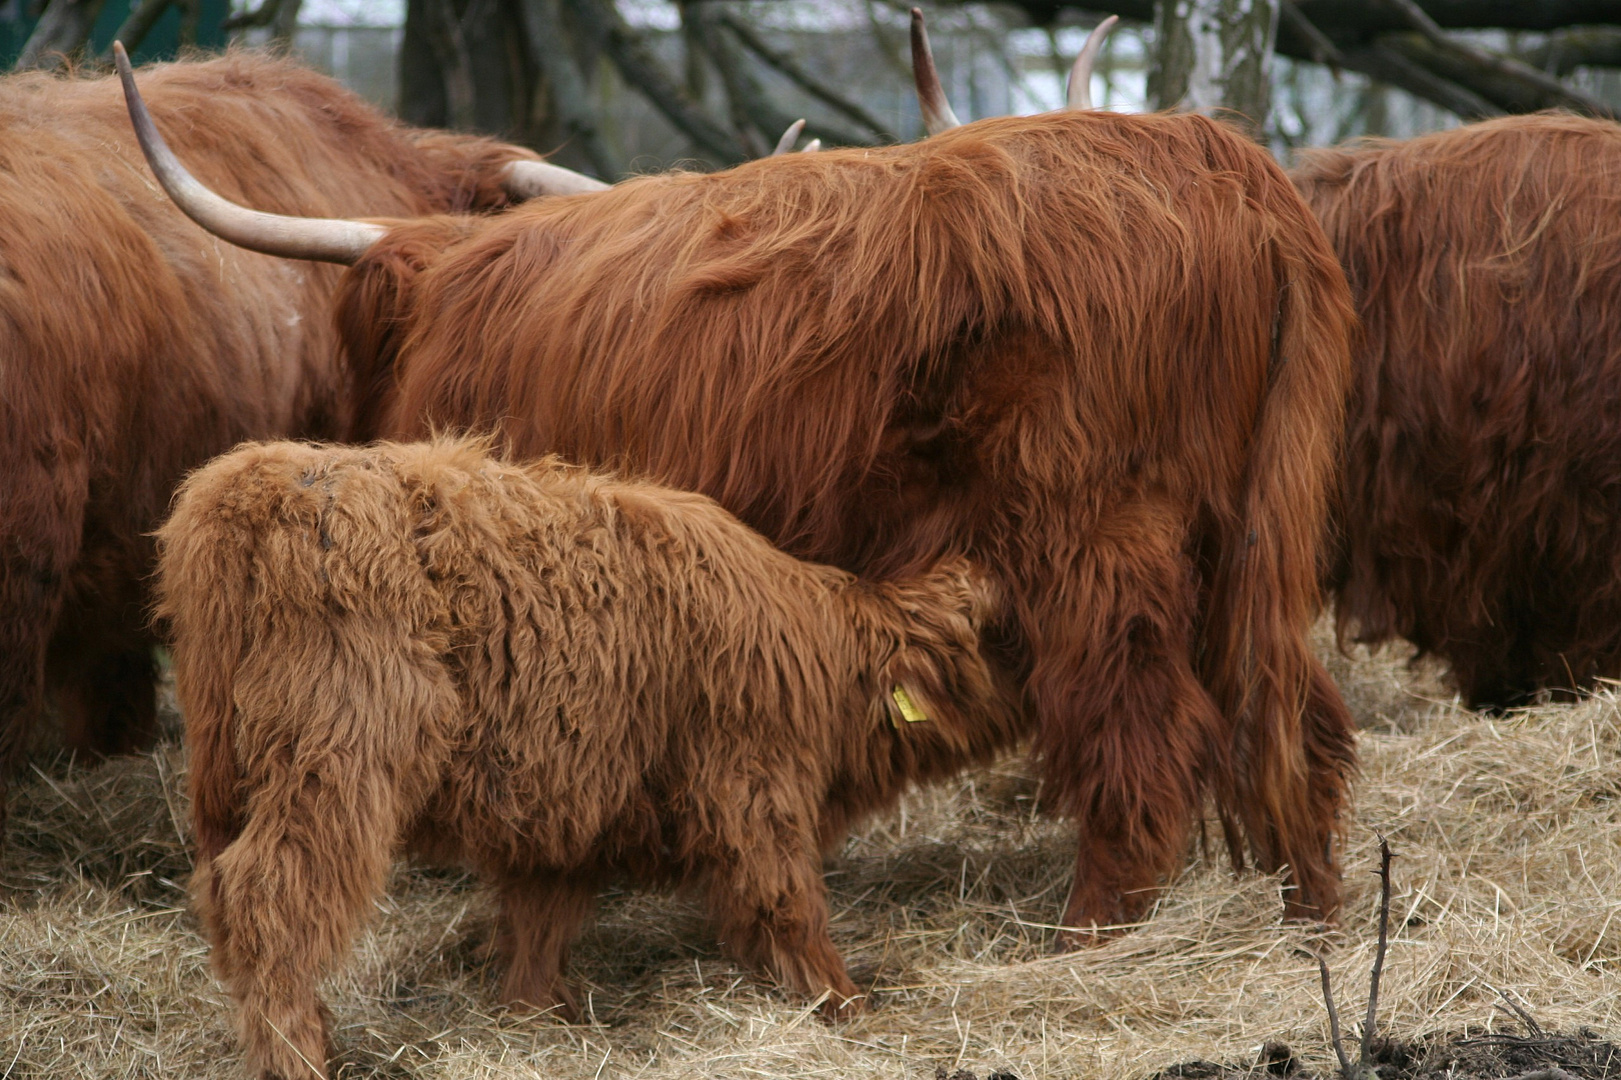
1482 513
551 677
1105 355
134 346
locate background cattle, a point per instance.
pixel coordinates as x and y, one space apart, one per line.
552 677
1482 517
1106 355
134 346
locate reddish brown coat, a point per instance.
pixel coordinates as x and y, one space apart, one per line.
1106 355
554 678
134 346
1482 515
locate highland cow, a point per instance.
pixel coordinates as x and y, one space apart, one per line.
134 346
552 677
1106 355
1482 516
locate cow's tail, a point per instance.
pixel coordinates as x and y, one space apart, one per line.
1293 744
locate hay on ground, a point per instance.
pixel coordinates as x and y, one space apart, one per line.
1507 882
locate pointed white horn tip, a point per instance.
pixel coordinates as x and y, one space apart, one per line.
789 137
326 240
812 146
931 96
1080 75
535 179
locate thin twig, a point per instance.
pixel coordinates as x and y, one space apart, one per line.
1526 1018
1333 1018
1365 1057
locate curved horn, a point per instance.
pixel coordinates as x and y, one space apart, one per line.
334 240
931 98
812 146
533 179
789 137
1080 75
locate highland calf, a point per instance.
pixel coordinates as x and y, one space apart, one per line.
1482 507
552 677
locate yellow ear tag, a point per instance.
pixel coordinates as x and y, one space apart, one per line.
909 711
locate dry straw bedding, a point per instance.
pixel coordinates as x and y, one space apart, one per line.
1508 878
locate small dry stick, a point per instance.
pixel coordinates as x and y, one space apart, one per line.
1365 1058
1333 1020
1530 1022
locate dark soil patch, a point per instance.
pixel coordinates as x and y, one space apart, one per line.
1543 1056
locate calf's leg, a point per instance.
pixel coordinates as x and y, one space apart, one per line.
540 915
284 901
769 902
337 767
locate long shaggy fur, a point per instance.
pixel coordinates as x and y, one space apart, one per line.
552 677
1482 515
134 346
1106 355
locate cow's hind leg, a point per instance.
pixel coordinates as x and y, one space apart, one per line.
1127 730
769 902
107 697
541 914
40 515
285 900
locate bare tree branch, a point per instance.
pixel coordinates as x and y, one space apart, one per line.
754 109
1323 51
1564 52
1507 82
1381 63
804 79
61 32
133 30
576 111
639 67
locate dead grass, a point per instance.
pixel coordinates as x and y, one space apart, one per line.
1507 879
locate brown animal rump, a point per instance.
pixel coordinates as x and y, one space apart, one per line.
552 677
1104 355
1482 515
134 346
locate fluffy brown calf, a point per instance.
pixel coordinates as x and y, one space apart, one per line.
1482 513
134 346
1106 355
552 677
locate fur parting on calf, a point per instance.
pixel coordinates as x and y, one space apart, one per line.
1107 355
1482 506
552 677
134 346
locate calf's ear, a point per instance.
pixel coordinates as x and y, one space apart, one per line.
909 691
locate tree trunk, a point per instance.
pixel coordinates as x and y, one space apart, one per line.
1215 54
463 65
61 32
